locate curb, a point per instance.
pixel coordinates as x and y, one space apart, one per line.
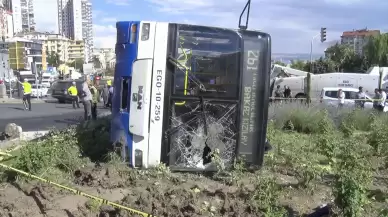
31 135
26 136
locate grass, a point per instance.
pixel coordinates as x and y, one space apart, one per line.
335 157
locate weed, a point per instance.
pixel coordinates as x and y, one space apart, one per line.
93 206
378 137
266 196
353 176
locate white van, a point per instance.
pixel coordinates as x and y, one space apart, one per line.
329 97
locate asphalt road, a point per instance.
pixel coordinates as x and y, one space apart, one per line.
44 116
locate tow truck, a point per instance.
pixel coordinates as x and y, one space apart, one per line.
185 93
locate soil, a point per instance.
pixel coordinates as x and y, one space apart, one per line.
159 192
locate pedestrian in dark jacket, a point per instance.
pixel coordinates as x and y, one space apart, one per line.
105 95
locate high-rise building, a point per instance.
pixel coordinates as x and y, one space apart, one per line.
17 16
6 23
357 39
87 29
75 22
27 13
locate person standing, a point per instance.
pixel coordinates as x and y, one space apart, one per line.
95 95
110 97
287 92
105 95
86 97
74 94
341 98
278 94
360 98
376 99
383 98
27 90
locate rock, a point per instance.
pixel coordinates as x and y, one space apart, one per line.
13 131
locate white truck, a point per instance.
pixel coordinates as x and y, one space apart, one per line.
369 81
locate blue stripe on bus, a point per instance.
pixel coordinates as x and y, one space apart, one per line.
126 54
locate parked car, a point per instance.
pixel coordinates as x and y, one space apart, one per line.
59 88
39 90
329 97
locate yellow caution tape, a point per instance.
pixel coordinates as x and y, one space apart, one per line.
77 192
303 98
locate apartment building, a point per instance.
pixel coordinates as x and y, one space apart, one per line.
5 71
16 16
27 14
23 52
75 23
104 55
6 21
51 43
76 50
357 39
87 29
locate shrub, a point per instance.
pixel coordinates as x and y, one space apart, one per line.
378 136
358 119
352 178
59 149
310 120
66 150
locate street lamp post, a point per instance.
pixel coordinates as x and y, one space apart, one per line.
311 52
10 81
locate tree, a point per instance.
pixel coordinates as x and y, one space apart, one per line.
77 64
344 58
320 66
96 62
110 71
298 64
53 59
280 63
376 50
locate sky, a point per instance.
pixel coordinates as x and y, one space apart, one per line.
291 23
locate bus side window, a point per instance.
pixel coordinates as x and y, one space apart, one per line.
125 93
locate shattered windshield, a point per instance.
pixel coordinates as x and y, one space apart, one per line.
210 62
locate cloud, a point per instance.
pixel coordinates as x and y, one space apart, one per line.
108 20
119 2
46 15
104 36
291 23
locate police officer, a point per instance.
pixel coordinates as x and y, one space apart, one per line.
27 89
74 94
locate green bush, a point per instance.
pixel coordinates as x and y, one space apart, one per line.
66 150
59 149
307 120
358 119
93 139
378 136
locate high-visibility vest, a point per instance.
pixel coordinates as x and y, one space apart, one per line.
27 88
109 82
73 91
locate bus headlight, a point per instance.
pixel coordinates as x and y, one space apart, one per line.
145 31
